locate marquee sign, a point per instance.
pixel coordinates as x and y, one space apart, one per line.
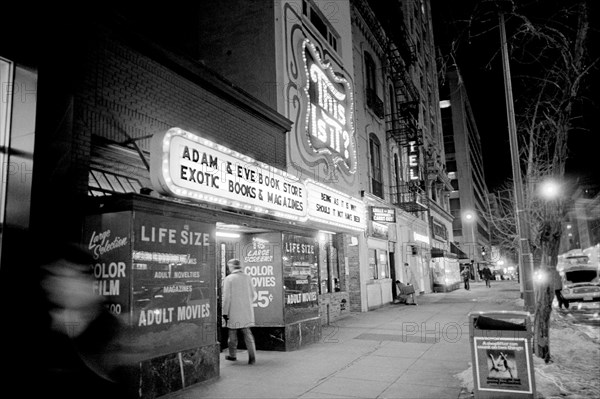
187 166
329 125
334 207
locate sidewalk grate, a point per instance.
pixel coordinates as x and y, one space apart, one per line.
399 338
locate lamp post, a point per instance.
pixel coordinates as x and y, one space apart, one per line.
470 217
549 189
525 256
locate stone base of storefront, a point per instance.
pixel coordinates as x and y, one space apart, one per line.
170 373
446 287
289 337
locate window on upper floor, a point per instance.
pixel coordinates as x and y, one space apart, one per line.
451 166
373 100
369 72
320 23
376 174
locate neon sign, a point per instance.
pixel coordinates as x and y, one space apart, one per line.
329 126
413 161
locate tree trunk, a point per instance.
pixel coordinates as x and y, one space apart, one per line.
550 241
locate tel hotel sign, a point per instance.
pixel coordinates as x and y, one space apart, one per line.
187 166
382 214
329 120
332 207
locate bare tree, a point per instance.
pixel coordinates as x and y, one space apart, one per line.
550 53
553 56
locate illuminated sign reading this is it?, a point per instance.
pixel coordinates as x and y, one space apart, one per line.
329 117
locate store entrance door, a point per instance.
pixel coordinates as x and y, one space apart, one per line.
225 251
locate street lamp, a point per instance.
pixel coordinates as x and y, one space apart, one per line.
525 256
470 217
549 189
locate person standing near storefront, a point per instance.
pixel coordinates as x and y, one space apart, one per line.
238 312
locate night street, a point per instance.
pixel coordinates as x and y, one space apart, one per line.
398 351
300 199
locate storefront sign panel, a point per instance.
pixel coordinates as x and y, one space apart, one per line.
187 166
300 276
107 238
329 206
174 284
382 214
503 364
261 260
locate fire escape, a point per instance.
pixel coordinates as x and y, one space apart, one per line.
402 123
385 21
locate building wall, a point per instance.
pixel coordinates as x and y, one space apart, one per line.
472 190
237 40
129 95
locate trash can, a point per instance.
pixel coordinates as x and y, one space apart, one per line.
502 354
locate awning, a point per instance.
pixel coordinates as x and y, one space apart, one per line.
457 251
440 253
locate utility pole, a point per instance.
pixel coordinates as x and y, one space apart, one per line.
525 256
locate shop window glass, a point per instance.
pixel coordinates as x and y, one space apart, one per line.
18 105
372 264
384 267
5 101
378 264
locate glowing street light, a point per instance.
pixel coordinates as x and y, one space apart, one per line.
470 217
549 189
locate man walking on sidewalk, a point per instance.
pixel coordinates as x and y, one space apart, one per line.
238 311
466 275
487 275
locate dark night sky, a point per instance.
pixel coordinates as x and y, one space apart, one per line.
480 65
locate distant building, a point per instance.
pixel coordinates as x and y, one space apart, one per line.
581 228
464 161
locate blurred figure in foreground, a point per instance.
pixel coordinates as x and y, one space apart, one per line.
59 339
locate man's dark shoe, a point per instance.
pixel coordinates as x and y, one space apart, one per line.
251 361
233 359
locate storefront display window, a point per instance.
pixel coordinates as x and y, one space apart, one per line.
378 264
300 277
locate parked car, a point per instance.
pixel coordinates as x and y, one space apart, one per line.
580 275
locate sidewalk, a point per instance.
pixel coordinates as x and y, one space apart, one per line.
397 351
